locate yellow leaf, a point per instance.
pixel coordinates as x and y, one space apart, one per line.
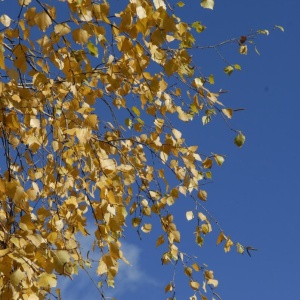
220 238
159 3
47 281
80 36
198 26
169 287
206 119
264 31
16 277
91 121
202 195
198 82
141 12
92 48
176 133
170 67
237 67
42 20
219 159
194 285
211 79
189 215
5 20
62 29
243 49
3 252
228 70
207 163
160 240
202 217
136 111
24 2
239 248
196 267
188 271
228 244
208 4
146 228
183 116
213 282
35 123
135 222
180 4
228 112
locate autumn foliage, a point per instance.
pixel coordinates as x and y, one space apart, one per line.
90 98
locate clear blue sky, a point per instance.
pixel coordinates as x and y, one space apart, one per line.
255 195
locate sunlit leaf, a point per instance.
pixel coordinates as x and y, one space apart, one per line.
266 32
213 282
239 248
219 159
189 215
180 4
220 238
202 195
146 228
188 271
47 281
228 70
62 29
228 112
211 79
208 4
194 285
243 49
5 20
198 26
280 27
43 20
160 241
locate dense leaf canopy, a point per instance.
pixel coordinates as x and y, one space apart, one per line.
90 93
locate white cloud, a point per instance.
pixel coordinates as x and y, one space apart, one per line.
130 277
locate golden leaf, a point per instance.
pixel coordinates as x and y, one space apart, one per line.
5 20
146 228
42 20
220 238
196 267
160 240
202 195
208 4
228 112
194 285
62 29
188 271
219 159
16 277
189 215
207 163
47 281
80 36
24 2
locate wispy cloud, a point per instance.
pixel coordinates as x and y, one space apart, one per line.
130 277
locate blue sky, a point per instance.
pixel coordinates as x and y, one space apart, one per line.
255 194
